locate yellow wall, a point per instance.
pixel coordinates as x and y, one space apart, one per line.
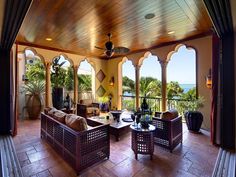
203 47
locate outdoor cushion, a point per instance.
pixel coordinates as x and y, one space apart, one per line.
76 122
51 111
59 116
47 109
168 115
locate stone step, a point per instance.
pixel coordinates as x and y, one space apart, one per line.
10 166
225 164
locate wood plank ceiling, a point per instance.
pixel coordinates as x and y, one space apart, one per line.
77 25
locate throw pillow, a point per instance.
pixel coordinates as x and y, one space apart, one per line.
76 122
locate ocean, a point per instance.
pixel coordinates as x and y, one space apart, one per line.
187 87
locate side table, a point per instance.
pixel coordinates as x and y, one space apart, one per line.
142 141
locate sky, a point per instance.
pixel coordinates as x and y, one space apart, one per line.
181 67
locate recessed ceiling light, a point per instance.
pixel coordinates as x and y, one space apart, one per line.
171 32
48 39
149 16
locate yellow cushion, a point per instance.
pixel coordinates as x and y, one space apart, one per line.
171 114
76 122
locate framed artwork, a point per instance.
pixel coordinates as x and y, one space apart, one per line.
100 75
100 91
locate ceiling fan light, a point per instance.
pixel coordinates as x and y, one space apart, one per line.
109 53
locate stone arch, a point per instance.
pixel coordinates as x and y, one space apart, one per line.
66 58
35 53
146 55
93 74
119 79
176 49
189 48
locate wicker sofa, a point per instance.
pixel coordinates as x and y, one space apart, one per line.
79 149
169 131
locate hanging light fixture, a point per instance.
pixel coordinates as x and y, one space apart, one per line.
209 80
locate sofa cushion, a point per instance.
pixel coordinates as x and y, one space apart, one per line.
87 102
92 110
171 114
59 116
47 109
76 122
51 111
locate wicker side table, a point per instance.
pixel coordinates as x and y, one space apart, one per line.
142 141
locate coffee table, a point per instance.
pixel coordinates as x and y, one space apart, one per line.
116 128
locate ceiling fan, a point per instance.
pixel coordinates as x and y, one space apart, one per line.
110 50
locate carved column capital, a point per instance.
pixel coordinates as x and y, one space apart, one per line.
48 64
75 68
163 63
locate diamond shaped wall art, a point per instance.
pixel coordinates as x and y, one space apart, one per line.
100 91
100 75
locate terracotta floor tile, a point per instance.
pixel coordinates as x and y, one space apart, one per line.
37 158
128 167
45 173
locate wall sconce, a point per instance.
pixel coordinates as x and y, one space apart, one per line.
112 81
24 78
209 80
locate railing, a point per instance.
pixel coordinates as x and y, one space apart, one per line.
128 102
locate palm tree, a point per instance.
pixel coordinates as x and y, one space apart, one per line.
85 82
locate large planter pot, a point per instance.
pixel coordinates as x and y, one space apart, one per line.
34 106
193 120
57 98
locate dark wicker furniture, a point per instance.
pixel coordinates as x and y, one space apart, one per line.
79 149
168 133
143 140
82 110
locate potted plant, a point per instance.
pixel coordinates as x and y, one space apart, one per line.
58 78
104 103
193 117
34 104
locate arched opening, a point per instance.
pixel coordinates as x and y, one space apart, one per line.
62 80
128 85
32 84
86 81
181 77
150 82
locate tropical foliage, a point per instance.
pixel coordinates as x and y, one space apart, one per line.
69 79
85 83
35 71
58 74
34 87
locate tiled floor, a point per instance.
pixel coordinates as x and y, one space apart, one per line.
196 157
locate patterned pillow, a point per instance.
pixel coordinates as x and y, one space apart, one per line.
59 116
51 112
76 122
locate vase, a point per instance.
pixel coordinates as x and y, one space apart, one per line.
193 120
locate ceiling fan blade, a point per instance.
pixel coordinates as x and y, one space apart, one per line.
99 48
121 50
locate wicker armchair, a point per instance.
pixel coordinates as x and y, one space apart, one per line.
87 108
169 132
